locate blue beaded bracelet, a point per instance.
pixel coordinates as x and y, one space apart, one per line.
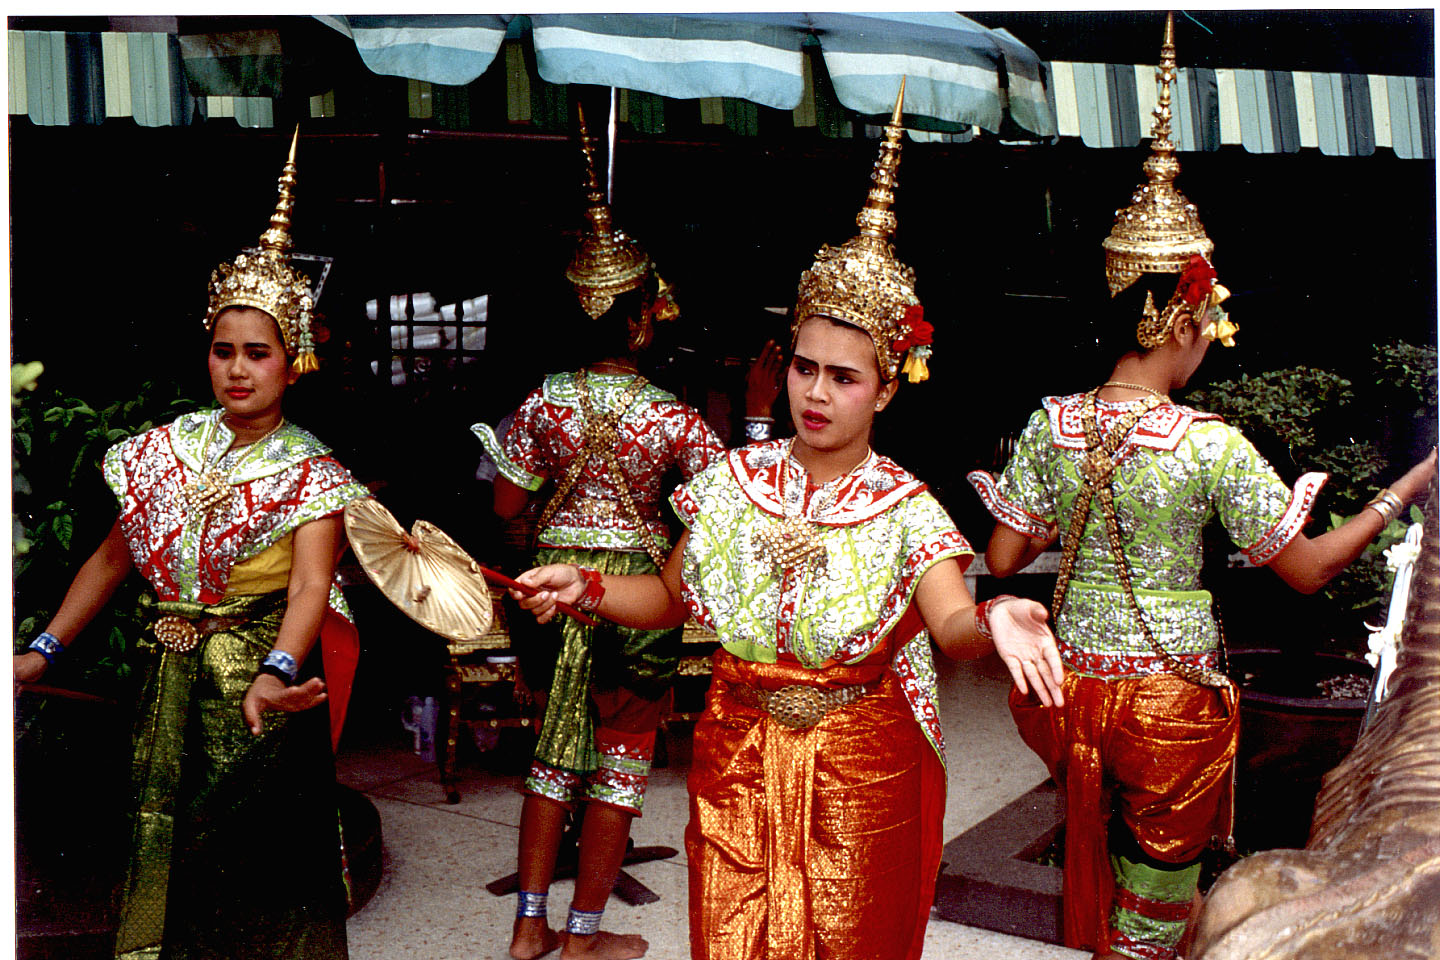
48 646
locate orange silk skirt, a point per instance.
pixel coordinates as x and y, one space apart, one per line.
817 843
1156 751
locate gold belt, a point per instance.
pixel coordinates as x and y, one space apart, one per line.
179 635
800 705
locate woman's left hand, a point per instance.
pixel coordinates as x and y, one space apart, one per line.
1024 641
764 380
269 693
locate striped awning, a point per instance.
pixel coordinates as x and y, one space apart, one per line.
960 73
58 78
1265 111
165 79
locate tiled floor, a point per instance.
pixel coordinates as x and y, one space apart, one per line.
432 902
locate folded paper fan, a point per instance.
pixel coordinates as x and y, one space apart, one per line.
430 578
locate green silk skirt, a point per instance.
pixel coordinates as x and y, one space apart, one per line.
236 851
606 656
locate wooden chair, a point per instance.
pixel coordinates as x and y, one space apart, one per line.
488 663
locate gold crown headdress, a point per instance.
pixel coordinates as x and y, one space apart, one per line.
608 262
264 279
862 283
1160 232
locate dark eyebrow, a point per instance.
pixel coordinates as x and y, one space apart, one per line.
262 346
832 367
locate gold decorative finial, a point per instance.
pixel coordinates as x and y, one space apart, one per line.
1160 231
607 262
266 281
862 283
875 219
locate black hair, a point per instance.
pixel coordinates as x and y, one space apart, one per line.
1112 321
608 335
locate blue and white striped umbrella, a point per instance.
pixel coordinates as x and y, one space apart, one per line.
959 71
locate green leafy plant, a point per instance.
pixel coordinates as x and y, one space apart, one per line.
1303 412
57 443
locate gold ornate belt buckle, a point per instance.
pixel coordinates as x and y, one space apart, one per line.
798 706
177 634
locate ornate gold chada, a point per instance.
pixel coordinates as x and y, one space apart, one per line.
862 283
1160 231
608 261
265 280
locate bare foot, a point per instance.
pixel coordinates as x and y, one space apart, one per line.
604 946
532 938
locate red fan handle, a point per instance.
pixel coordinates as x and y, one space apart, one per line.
565 608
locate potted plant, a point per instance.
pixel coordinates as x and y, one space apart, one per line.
1299 661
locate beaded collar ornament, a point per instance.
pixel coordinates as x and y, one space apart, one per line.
861 282
265 280
211 490
1160 232
792 541
609 262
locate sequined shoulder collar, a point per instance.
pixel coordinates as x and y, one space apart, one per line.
867 491
281 450
1160 429
559 389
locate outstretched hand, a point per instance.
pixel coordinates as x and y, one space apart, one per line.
555 581
269 693
1027 646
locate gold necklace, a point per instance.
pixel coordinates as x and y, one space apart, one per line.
211 489
1135 386
793 540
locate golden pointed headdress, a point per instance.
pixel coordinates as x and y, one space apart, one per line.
264 279
862 283
1160 232
607 262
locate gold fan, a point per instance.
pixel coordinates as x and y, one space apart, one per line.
426 574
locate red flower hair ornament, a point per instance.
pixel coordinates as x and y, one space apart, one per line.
1196 282
916 337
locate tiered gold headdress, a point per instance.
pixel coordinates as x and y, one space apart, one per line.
862 283
608 262
264 279
1160 232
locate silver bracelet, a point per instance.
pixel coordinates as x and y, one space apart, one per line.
532 904
1388 504
583 922
757 429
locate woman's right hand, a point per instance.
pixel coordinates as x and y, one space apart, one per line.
1411 487
30 667
555 581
